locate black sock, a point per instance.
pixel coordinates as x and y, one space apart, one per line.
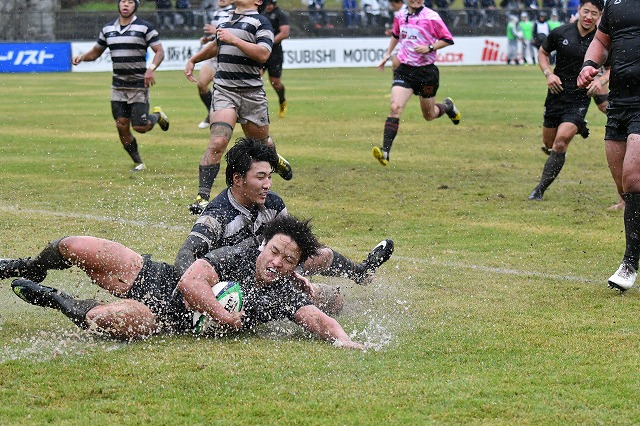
132 150
551 169
442 109
49 258
206 99
75 309
207 175
632 228
390 132
343 267
280 93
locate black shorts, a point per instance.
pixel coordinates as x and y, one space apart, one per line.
424 81
136 112
155 287
565 108
622 122
274 64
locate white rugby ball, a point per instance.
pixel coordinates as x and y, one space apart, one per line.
229 294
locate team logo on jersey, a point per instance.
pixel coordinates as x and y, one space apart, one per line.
617 2
565 42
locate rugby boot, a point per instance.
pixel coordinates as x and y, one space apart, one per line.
452 111
163 120
380 155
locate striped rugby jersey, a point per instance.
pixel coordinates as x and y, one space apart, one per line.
128 46
424 27
235 70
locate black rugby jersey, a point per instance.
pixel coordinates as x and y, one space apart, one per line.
277 18
128 47
571 48
261 304
621 21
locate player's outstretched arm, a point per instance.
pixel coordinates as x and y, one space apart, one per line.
91 55
319 323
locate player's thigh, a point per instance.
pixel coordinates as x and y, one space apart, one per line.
111 265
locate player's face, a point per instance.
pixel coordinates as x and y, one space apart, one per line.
415 4
224 3
126 8
278 259
588 16
251 190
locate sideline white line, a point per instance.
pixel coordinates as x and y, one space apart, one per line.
428 261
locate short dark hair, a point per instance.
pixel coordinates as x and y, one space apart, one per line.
298 230
599 4
244 153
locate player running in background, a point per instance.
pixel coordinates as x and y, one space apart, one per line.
567 104
280 22
127 39
420 32
242 45
208 69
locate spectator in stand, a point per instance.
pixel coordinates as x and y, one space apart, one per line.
443 10
528 48
371 12
209 7
472 7
571 10
513 37
318 15
489 9
554 22
350 10
184 10
540 29
165 15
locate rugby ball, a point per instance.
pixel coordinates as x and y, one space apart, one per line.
229 294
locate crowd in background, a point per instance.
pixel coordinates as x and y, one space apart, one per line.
378 13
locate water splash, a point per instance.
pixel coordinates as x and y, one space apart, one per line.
46 345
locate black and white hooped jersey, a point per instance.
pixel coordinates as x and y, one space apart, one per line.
235 69
225 222
128 46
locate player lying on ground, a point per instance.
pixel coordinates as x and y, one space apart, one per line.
238 214
155 299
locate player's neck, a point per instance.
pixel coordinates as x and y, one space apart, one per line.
583 32
241 10
125 21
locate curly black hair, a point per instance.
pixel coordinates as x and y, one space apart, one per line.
244 153
298 230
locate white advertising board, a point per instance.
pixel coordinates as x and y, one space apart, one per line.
324 53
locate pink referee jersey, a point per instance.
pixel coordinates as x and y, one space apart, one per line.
422 28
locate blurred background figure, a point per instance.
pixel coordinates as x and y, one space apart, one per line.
165 15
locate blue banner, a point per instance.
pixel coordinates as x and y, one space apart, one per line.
35 57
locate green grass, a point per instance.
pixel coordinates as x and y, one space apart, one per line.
493 309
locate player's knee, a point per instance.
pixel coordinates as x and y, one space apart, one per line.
221 130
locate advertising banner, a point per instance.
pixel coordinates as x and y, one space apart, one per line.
35 57
325 53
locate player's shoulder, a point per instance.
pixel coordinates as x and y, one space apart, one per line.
274 202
